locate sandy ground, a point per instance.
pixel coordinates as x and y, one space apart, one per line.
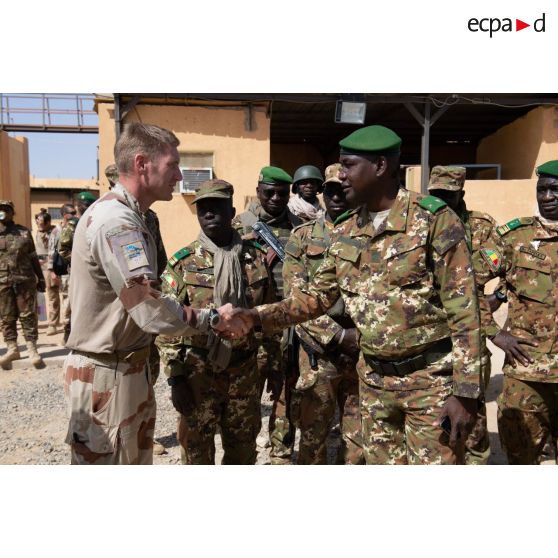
33 415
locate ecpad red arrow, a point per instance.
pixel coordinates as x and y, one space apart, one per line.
519 25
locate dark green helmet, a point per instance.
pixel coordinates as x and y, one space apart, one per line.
307 172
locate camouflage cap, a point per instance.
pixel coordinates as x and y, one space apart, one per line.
447 178
111 172
8 203
550 168
332 174
86 196
274 175
214 189
371 140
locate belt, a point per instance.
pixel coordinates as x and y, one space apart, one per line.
131 357
412 364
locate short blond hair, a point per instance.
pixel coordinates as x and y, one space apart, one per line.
147 139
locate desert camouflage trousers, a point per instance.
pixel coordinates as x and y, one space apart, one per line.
228 400
52 296
19 301
111 409
318 392
477 445
528 421
272 364
398 414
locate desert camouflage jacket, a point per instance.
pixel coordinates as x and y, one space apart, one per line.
305 251
526 257
405 285
17 250
189 279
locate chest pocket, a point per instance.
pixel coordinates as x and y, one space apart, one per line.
531 277
405 261
255 274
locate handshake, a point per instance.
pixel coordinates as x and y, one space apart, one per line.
235 323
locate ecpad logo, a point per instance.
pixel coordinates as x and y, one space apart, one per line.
494 24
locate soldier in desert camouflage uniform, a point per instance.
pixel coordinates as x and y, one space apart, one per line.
215 382
447 184
152 223
526 256
20 278
271 208
402 266
329 344
117 308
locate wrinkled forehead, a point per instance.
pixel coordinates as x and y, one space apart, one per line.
548 181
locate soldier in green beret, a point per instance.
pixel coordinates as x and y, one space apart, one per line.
401 264
271 208
446 183
526 257
215 382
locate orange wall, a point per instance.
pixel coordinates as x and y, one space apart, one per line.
14 176
523 144
238 155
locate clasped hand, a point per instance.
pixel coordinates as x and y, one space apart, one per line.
235 322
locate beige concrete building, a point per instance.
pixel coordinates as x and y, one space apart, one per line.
52 193
14 176
500 138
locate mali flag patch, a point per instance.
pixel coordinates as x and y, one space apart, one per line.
492 258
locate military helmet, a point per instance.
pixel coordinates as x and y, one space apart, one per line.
307 172
7 203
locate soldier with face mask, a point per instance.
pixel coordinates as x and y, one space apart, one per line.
20 279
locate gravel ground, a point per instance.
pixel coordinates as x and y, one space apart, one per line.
33 415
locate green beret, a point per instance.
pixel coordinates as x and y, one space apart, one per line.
214 189
274 175
372 140
549 168
86 197
447 178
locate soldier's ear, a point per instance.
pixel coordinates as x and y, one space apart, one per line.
381 166
233 213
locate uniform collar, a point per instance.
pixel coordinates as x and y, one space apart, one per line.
545 231
130 200
396 219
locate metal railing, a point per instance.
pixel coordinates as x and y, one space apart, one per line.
46 112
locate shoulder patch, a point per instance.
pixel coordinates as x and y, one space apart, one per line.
432 204
492 258
514 224
180 255
169 279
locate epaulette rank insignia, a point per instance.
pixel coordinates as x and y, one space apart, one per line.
512 225
432 203
180 255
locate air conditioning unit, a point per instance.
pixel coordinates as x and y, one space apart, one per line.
192 178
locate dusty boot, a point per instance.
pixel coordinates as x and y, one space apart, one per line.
12 353
34 356
51 330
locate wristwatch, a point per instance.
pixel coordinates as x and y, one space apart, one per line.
501 295
214 318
